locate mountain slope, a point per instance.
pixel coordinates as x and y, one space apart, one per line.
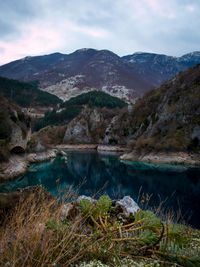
84 70
166 118
26 94
81 71
163 67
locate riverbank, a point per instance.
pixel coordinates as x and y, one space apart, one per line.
18 164
106 148
164 157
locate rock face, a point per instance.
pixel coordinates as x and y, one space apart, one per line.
88 127
14 129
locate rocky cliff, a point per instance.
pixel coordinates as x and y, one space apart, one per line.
89 127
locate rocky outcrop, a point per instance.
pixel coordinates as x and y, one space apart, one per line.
88 128
42 156
14 129
15 166
18 164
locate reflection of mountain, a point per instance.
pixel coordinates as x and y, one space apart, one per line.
125 178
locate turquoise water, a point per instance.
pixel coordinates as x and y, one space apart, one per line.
178 186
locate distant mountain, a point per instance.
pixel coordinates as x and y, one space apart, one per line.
163 67
26 94
88 69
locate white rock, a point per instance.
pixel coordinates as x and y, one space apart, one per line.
128 205
85 197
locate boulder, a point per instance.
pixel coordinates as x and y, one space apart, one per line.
128 205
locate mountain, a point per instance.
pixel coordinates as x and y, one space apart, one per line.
164 119
163 67
68 75
26 94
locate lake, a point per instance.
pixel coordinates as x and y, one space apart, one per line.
176 185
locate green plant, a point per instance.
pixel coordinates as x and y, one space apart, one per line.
103 206
85 206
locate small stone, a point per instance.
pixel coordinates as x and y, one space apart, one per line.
128 205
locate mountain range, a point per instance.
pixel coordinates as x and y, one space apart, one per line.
128 77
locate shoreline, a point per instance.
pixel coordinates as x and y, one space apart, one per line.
183 158
18 165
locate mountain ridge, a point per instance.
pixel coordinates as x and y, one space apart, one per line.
127 77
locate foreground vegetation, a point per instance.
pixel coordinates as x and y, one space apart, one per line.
44 232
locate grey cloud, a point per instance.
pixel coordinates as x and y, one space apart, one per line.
127 29
14 14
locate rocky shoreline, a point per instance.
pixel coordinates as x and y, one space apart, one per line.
164 157
18 165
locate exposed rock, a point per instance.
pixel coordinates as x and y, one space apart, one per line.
89 128
14 128
128 205
112 148
42 156
92 200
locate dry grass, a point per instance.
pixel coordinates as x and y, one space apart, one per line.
35 235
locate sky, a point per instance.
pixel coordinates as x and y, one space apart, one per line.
38 27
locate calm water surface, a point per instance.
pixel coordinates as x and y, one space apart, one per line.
178 186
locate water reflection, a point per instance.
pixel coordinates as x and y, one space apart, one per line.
178 185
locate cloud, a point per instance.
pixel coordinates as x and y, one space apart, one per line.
123 26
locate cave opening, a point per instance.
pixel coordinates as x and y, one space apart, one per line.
17 150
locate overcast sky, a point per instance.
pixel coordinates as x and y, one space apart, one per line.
37 27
